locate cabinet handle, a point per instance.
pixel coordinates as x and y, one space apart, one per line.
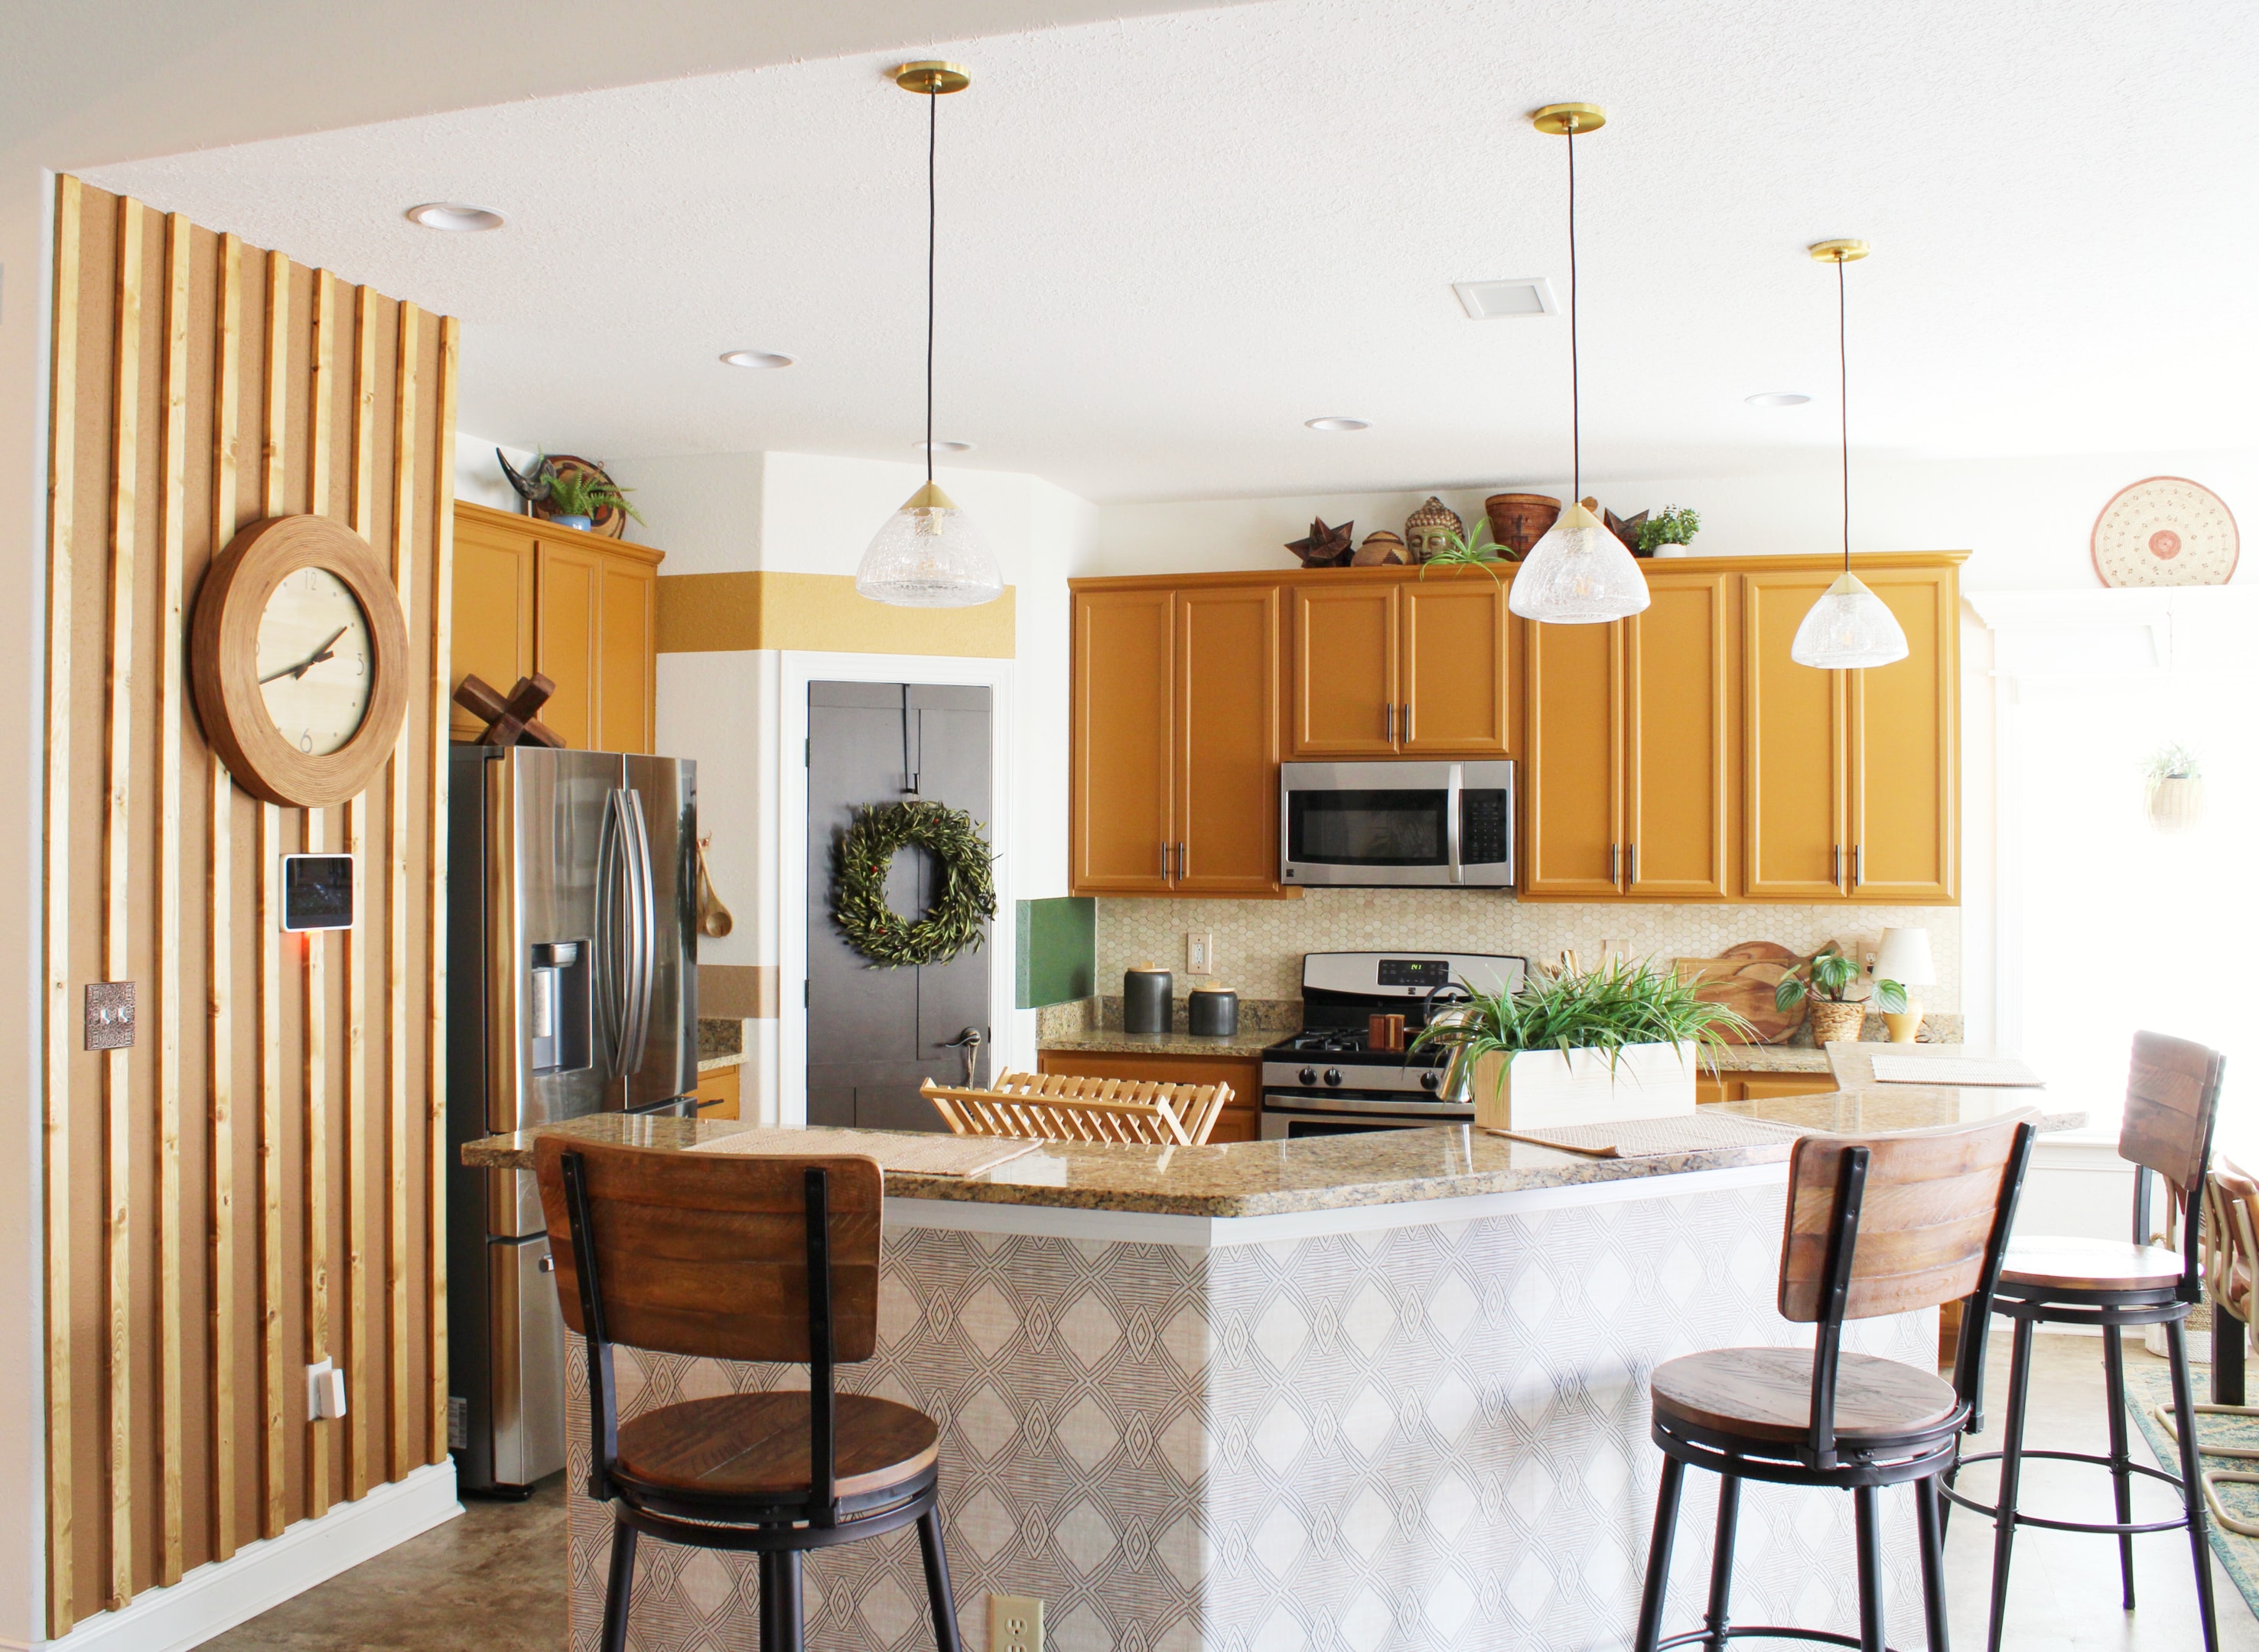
1389 721
1408 723
1184 861
1615 856
1164 863
1835 865
1858 864
1631 865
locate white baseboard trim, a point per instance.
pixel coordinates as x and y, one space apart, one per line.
215 1598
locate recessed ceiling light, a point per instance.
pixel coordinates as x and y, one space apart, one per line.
455 216
945 447
1778 398
755 358
1505 300
1338 422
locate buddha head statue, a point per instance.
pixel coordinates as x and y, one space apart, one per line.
1428 530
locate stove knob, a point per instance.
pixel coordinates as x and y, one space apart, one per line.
1333 1075
1309 1075
1431 1081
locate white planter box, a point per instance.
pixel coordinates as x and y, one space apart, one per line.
1542 1089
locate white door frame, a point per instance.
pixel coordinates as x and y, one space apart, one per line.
797 670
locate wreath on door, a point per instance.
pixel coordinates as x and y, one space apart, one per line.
966 897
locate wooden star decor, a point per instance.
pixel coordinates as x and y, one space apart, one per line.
1326 547
509 719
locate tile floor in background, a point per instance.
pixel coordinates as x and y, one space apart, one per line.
494 1581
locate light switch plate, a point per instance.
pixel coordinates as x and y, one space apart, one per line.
110 1015
1015 1624
1200 952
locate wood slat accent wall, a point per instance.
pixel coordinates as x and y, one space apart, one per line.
199 385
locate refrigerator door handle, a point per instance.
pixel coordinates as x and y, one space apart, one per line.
643 964
613 880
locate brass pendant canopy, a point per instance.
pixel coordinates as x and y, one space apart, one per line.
1558 119
930 76
1838 252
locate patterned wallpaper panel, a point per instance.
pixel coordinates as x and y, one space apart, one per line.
1259 943
1423 1438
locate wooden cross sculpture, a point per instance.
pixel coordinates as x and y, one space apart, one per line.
510 721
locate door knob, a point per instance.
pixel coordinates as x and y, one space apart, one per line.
970 1041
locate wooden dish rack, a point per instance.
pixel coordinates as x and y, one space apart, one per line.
1057 1107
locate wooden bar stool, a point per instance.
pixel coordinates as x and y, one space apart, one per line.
745 1258
1875 1225
2171 1097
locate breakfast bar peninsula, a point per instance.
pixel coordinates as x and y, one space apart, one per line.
1362 1391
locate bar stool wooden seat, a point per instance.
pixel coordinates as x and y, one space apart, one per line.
740 1258
1874 1226
2172 1095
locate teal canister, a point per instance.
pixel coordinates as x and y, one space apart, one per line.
1146 993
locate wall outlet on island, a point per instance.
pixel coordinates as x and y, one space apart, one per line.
1015 1624
1200 952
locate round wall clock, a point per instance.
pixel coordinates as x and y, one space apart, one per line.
2165 530
298 655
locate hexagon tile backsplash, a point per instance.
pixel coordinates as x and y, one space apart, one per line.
1259 943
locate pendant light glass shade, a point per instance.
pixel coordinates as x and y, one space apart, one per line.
1579 573
1849 628
929 554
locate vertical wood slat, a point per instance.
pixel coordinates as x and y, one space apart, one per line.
355 1314
397 909
118 897
275 1514
55 1123
435 907
171 638
227 365
320 1439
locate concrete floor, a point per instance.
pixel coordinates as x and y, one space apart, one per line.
494 1581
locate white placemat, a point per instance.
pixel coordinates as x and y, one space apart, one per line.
1953 1069
912 1155
1648 1138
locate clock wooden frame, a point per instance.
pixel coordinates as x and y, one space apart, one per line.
223 661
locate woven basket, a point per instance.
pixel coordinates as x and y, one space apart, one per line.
1836 1023
2176 803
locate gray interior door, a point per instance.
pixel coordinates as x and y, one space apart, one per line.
874 1034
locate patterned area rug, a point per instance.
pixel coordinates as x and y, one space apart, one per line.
2149 1384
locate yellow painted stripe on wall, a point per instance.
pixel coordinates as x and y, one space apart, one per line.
719 613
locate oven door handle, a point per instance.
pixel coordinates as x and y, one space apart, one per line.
1454 803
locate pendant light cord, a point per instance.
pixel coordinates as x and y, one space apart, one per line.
1844 409
1576 405
932 209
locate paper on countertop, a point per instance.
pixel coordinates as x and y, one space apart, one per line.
1954 1070
1649 1138
912 1155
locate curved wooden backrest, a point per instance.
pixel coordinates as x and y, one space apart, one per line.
1929 1209
706 1254
2172 1094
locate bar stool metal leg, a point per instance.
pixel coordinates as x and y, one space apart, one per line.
618 1586
2122 1473
1721 1561
1930 1526
2192 1478
936 1581
1868 1529
780 1607
1658 1556
2012 1463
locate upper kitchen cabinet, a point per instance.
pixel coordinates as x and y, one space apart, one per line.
1176 722
1573 762
1386 665
1850 777
580 609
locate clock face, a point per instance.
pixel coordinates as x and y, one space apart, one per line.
2165 530
314 655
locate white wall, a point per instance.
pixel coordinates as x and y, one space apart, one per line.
479 478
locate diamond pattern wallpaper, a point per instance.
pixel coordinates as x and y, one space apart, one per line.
1425 1437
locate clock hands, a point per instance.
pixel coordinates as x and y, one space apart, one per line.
328 651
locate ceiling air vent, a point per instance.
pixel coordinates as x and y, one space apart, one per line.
1505 300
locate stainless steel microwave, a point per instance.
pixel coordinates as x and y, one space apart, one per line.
1388 824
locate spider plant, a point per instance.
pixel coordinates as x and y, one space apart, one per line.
1831 976
1610 1008
1462 550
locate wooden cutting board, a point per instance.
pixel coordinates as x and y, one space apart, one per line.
1743 979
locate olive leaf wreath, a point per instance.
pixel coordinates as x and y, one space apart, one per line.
966 898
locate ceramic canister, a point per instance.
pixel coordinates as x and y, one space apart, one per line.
1212 1012
1146 993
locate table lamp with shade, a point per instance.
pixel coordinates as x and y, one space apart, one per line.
1904 957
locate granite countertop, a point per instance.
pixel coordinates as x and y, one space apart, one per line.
1248 1040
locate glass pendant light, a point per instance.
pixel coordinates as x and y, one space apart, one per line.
1579 573
1849 627
929 554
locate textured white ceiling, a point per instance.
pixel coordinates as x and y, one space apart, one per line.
1168 241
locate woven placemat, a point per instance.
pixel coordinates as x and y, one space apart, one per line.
1649 1138
912 1155
1953 1069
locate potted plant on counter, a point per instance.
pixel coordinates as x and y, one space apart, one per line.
577 497
1669 532
1581 1047
1827 980
2176 799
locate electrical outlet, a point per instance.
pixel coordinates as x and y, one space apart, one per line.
1200 952
1015 1624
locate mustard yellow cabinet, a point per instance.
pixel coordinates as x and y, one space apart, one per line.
1387 663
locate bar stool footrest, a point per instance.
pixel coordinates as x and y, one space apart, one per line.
1695 1637
2095 1528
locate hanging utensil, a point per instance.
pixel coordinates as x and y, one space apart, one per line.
714 918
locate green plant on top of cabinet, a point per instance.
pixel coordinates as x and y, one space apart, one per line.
1176 747
1401 665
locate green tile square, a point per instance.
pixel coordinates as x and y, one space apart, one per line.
1058 952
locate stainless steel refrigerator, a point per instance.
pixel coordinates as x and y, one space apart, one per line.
572 989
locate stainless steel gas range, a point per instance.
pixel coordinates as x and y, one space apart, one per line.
1327 1080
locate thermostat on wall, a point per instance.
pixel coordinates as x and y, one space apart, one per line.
318 892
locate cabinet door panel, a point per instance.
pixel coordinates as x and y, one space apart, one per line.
1123 756
1675 739
1763 1087
1903 750
1453 668
1344 670
1794 721
565 639
1573 806
627 658
1227 741
493 624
